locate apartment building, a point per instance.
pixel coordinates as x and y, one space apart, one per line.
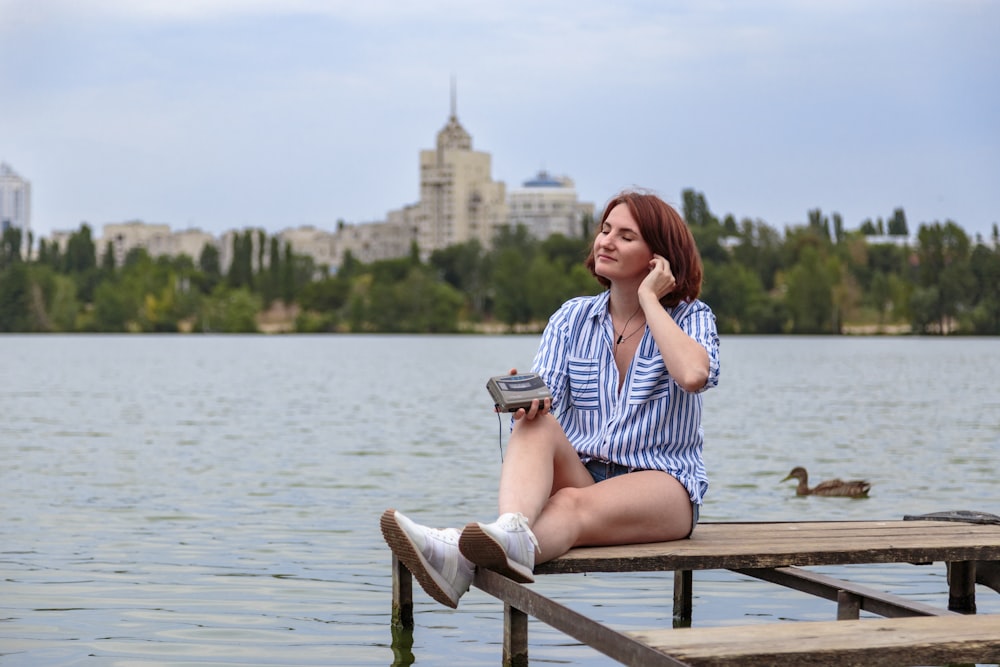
319 244
157 239
547 205
15 203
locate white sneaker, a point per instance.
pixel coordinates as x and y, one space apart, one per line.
506 546
431 555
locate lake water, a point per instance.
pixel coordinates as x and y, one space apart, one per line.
201 500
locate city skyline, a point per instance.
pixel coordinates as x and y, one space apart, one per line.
227 114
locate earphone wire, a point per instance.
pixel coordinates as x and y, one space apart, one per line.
499 431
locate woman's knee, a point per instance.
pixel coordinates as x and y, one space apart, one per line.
542 432
542 424
567 501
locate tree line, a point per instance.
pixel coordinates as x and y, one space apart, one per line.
814 278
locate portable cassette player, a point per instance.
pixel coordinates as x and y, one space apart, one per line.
512 392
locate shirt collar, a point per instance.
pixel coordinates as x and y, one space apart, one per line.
599 306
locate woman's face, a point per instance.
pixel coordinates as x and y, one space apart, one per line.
620 252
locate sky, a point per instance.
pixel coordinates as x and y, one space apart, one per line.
227 114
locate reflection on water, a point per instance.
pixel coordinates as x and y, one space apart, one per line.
215 500
402 646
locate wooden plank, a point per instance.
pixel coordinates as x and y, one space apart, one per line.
610 642
776 544
898 641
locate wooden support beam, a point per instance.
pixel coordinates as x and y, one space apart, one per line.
829 588
402 595
612 643
683 594
962 586
848 606
515 637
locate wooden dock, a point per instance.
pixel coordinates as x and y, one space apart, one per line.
775 552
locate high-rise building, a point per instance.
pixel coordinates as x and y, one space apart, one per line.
15 203
459 200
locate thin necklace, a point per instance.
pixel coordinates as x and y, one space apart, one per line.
621 335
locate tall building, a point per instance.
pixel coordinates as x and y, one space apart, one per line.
459 200
15 203
547 205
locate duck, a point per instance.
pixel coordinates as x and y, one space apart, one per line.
854 488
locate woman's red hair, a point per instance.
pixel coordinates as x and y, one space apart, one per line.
666 234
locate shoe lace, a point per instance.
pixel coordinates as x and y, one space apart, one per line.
520 522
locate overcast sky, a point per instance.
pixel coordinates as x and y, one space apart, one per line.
223 114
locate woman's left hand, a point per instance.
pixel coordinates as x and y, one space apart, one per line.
537 409
661 280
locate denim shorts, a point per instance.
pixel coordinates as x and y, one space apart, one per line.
602 470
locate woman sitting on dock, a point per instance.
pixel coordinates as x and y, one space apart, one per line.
616 456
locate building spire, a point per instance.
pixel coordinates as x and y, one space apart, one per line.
453 135
454 98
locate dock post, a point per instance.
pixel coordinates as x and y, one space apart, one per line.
515 637
962 586
682 598
848 606
402 595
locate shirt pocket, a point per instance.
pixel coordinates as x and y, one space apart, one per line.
650 380
584 383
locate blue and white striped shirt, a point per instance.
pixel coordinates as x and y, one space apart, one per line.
652 424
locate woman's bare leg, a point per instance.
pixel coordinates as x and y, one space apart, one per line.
539 461
543 479
646 506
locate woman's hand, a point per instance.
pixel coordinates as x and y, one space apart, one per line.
660 281
536 409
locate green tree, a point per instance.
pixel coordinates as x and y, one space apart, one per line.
760 250
736 296
897 224
809 294
241 268
271 280
113 309
108 259
17 308
48 254
10 247
510 259
695 209
81 253
210 265
945 274
464 266
229 311
984 317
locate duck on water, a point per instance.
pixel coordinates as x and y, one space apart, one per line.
854 488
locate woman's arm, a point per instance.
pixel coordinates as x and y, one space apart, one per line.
686 359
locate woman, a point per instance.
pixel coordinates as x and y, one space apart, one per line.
615 457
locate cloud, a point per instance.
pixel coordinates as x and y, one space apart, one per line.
315 111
